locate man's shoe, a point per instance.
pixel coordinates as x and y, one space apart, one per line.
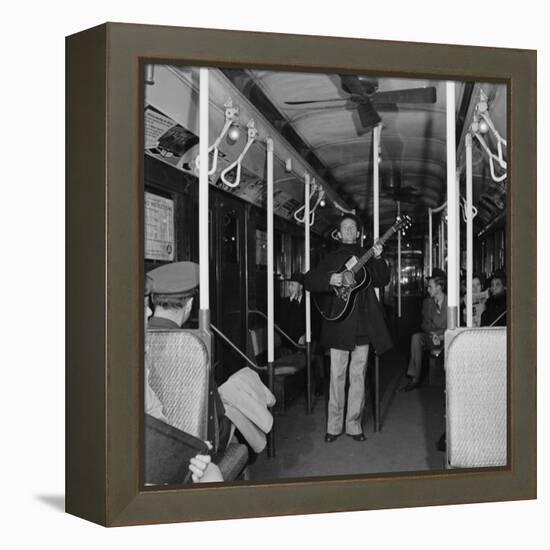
358 437
329 438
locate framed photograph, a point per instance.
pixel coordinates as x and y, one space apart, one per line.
326 304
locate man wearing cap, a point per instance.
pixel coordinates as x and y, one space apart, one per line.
434 324
202 468
349 338
174 286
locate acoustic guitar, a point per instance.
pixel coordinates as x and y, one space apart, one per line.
355 277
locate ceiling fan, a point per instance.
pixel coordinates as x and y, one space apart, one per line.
364 95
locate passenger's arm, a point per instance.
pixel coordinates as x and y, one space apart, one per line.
484 318
427 323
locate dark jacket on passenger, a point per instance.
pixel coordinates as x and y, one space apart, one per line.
365 324
434 319
495 306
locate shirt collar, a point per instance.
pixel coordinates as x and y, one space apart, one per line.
161 322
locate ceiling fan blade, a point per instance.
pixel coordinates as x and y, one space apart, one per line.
387 107
402 195
316 101
411 95
367 115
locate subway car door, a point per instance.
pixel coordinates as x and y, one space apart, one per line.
228 281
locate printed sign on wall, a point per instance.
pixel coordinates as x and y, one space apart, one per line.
159 228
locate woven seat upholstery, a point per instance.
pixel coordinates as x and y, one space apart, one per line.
475 364
179 376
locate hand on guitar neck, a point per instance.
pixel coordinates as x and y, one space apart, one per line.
377 250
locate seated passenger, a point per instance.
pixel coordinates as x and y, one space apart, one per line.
495 306
479 297
201 466
434 324
174 287
291 313
290 316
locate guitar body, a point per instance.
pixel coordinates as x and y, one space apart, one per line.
339 303
342 301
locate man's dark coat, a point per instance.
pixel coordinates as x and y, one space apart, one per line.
365 324
495 312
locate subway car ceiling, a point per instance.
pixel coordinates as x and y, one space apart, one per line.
324 124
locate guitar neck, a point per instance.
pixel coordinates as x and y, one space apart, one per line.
370 253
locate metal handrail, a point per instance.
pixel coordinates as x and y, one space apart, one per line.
278 329
235 348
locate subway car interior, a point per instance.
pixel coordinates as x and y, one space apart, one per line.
248 173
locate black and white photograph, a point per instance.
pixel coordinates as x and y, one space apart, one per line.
275 275
325 274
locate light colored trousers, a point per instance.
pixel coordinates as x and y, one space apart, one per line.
356 394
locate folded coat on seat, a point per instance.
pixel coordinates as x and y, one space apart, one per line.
246 400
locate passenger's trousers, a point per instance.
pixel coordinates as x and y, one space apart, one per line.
420 341
356 394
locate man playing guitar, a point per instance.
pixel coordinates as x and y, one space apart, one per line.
349 335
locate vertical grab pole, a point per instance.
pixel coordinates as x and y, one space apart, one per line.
399 265
204 306
469 232
307 297
452 211
376 187
430 243
270 289
458 250
440 238
445 233
376 235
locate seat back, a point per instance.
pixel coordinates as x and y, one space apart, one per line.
475 373
179 375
